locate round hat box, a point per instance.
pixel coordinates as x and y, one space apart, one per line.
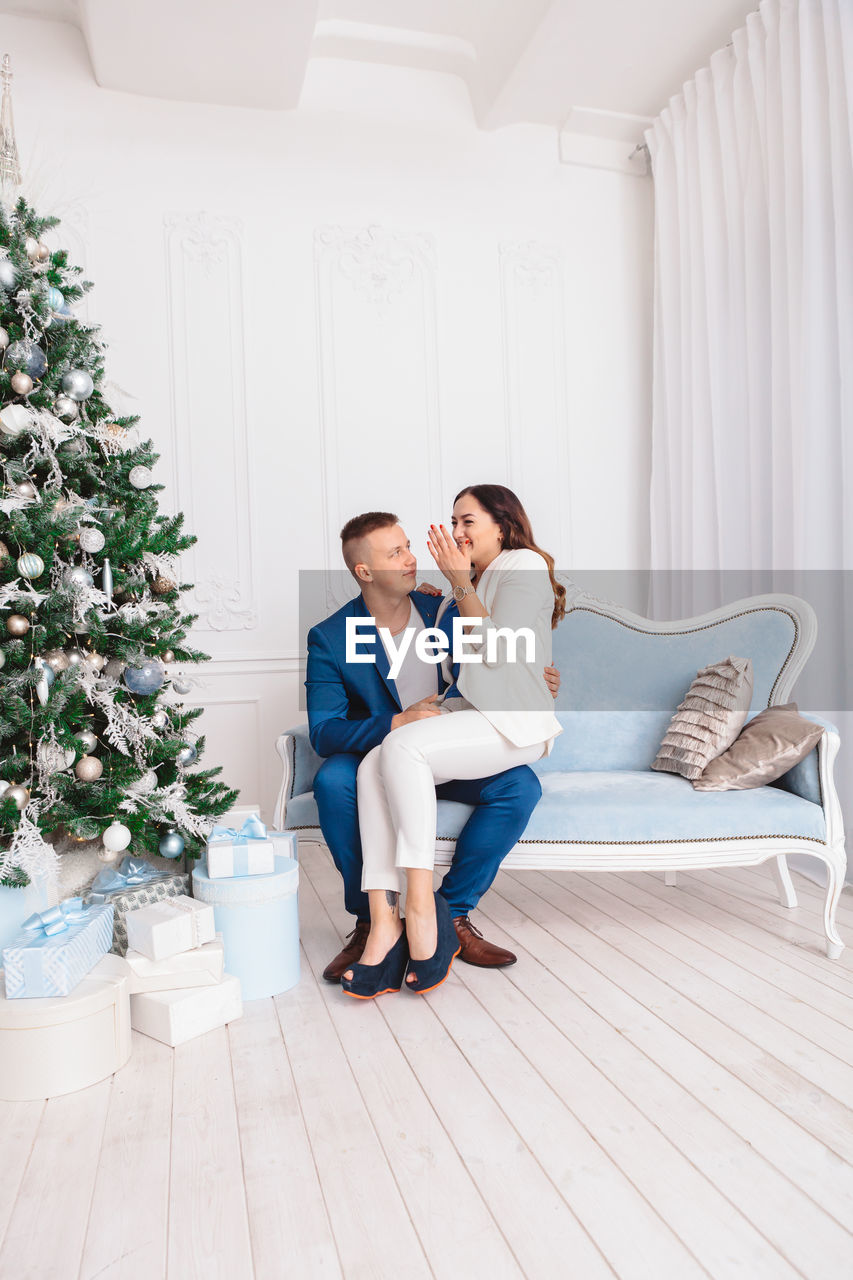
50 1045
258 918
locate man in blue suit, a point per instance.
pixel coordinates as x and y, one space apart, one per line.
352 705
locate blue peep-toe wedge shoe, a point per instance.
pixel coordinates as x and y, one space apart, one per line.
369 980
432 972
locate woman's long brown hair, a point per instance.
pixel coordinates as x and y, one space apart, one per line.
507 512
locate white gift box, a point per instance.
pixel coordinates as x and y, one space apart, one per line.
51 1045
174 1017
200 967
240 858
164 929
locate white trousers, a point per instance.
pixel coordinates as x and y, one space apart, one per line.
396 788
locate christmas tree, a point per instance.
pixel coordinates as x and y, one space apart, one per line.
95 743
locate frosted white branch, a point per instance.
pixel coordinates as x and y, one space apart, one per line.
28 850
128 732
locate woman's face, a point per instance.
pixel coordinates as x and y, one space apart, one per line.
472 523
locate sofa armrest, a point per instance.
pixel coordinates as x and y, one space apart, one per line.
300 763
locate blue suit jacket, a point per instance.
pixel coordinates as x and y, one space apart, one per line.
351 705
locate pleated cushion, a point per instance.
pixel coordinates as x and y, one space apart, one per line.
709 719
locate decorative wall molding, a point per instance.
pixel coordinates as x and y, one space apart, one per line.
378 367
535 384
204 273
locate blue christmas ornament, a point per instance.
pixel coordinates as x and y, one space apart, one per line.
172 845
145 679
55 298
26 356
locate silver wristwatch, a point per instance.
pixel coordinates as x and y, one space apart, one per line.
459 593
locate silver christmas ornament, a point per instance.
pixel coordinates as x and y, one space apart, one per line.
96 661
19 794
43 253
26 356
31 248
186 756
8 274
75 657
79 577
77 384
22 383
17 624
66 410
24 488
107 856
88 769
114 669
107 580
87 740
2 659
4 339
168 656
159 719
140 477
147 782
57 660
181 684
91 540
75 447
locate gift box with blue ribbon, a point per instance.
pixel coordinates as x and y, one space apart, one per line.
56 949
247 852
133 884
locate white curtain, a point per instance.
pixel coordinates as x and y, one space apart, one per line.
752 436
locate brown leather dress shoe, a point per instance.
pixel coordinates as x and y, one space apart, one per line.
351 953
475 949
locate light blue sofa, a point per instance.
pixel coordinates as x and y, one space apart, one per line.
602 806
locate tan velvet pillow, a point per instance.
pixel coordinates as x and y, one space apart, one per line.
709 719
771 744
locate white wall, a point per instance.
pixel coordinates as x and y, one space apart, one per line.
294 366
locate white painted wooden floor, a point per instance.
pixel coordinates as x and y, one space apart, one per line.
660 1088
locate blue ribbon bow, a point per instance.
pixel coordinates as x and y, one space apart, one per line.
56 919
133 871
252 829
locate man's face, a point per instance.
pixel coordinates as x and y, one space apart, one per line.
389 560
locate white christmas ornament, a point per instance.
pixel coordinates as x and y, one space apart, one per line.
116 837
91 539
14 419
140 477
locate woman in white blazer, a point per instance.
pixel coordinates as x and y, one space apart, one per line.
498 713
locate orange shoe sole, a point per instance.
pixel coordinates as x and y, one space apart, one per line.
422 991
384 992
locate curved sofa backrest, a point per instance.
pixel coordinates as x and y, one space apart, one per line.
623 675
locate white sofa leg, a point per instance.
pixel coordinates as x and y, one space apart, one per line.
784 883
670 878
835 872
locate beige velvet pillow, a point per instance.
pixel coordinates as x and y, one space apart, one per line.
709 719
771 744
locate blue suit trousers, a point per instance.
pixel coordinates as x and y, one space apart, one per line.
502 804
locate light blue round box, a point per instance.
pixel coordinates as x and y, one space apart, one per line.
258 918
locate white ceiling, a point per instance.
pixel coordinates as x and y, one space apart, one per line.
575 63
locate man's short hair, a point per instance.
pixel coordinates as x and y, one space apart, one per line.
359 527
